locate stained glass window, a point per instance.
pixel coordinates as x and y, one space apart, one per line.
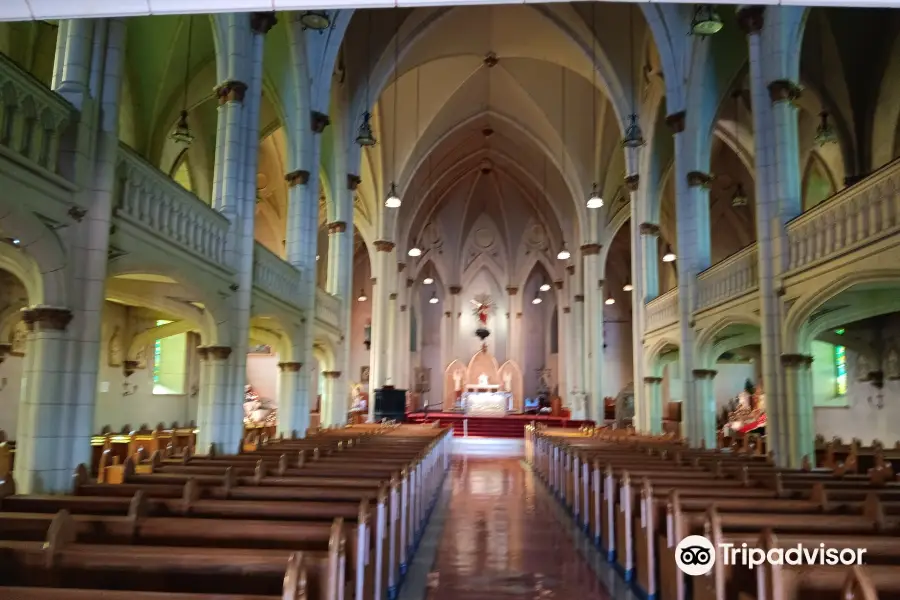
840 370
157 354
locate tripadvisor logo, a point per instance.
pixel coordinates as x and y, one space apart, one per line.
695 555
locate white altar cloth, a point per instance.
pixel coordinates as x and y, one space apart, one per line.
487 404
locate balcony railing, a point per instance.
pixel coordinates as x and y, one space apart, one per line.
854 217
274 275
728 279
328 307
150 200
662 311
33 118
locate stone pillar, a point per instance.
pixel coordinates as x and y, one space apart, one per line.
340 266
332 388
706 407
455 321
381 330
402 345
43 464
649 275
653 391
579 408
514 325
392 352
799 421
593 328
291 386
212 411
73 59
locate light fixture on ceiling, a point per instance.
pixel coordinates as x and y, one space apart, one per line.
706 21
545 287
364 135
537 299
317 20
428 280
362 296
610 300
433 299
825 132
392 200
414 251
595 200
669 256
182 132
634 137
564 254
739 197
627 287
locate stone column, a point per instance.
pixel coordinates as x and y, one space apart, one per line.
43 446
706 404
653 391
593 326
340 283
579 399
332 387
381 329
212 418
649 276
290 388
73 59
514 325
798 423
455 321
402 345
392 352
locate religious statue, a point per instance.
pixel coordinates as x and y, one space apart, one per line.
257 411
482 305
750 413
360 402
483 380
457 379
507 381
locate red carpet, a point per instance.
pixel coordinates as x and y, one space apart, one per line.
510 426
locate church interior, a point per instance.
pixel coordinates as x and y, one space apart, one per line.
412 295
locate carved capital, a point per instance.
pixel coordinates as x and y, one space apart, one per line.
783 90
373 281
600 284
675 121
570 269
216 352
337 227
579 297
750 18
796 360
454 289
262 22
653 380
566 310
291 367
318 121
448 314
331 374
402 308
512 290
558 284
47 318
704 373
649 229
384 246
231 91
401 266
590 249
632 181
393 296
353 181
297 178
409 282
699 179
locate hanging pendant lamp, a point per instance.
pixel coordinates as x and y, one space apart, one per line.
433 299
706 21
317 20
634 137
564 254
364 136
595 200
182 132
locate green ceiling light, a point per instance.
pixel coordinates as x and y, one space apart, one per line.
365 137
634 137
182 133
839 331
317 20
825 132
706 21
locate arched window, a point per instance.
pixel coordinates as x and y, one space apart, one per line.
169 363
840 371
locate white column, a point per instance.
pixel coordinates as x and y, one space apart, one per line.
455 321
73 59
706 401
515 346
401 347
578 404
292 385
798 419
593 325
43 446
331 399
214 385
392 352
653 393
642 409
340 283
385 272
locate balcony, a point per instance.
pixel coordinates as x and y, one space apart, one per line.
731 278
275 276
662 311
328 308
153 204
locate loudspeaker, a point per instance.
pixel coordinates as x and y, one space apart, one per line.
390 403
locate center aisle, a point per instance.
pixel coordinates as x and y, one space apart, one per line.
501 539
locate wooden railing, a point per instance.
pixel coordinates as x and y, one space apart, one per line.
33 118
662 310
852 218
274 275
149 199
728 279
328 307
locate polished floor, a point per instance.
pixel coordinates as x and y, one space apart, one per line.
501 537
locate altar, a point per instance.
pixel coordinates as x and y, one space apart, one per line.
483 388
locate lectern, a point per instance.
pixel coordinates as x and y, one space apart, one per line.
390 403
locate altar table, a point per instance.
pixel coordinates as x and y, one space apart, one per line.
487 403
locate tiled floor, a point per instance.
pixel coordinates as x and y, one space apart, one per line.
501 537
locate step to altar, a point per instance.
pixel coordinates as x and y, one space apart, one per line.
509 426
